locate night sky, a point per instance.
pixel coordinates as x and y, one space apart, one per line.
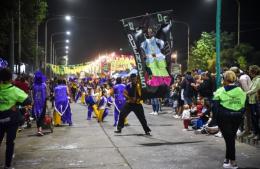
99 30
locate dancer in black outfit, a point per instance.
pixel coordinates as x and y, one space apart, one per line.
133 103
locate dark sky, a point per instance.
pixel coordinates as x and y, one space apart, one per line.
100 31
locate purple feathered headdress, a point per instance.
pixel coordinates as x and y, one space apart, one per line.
3 63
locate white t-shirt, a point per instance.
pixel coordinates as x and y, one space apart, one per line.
245 82
186 114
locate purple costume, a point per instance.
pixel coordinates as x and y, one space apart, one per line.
61 103
103 106
90 101
39 95
119 100
80 91
39 98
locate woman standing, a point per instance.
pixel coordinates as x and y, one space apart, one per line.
254 72
61 104
229 103
39 100
9 115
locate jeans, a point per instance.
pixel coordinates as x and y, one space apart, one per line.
156 104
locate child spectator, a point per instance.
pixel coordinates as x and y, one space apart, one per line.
193 110
203 114
186 116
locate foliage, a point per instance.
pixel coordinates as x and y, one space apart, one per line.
33 12
203 53
236 56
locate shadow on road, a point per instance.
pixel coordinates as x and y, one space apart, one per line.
249 168
36 135
169 143
161 125
131 135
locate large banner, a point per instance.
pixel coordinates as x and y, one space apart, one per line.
104 65
150 37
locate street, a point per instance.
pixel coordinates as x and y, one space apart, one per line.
90 145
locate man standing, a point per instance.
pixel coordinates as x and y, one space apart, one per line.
133 103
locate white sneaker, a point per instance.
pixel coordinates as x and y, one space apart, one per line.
184 129
152 113
155 113
219 134
239 132
176 116
229 165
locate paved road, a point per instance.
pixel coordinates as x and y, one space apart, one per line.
90 145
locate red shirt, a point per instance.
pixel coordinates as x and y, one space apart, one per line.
22 85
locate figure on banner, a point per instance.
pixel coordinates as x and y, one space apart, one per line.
155 60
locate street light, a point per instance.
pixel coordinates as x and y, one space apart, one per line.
53 49
46 36
67 47
174 57
54 34
67 41
59 50
68 17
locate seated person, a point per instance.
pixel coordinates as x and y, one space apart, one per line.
202 116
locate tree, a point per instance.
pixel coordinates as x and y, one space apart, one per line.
32 12
236 56
203 53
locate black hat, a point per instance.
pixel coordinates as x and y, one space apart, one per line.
132 75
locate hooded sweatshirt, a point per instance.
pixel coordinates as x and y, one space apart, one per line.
231 97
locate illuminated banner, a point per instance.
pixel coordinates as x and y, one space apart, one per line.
103 65
150 37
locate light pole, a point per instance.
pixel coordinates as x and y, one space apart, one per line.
67 18
52 35
59 49
53 48
218 23
238 22
218 32
188 39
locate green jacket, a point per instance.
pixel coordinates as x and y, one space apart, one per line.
252 92
10 95
233 99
